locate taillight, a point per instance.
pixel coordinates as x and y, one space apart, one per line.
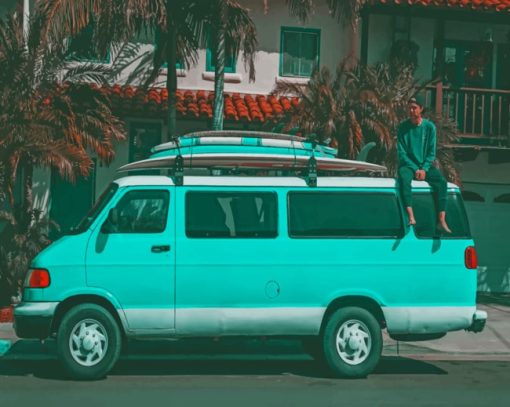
38 278
470 258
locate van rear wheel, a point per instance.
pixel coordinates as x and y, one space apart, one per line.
88 342
352 342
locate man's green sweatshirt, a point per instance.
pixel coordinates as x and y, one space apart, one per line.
416 145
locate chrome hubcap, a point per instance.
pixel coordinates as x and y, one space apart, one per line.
88 342
353 342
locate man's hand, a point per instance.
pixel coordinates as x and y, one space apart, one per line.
419 175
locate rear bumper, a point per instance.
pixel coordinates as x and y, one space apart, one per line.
34 319
478 323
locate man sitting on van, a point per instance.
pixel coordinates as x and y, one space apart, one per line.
416 147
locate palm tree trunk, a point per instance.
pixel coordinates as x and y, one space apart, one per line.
28 175
171 77
219 64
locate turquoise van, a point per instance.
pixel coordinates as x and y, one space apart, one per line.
332 262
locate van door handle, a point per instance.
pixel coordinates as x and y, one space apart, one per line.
159 249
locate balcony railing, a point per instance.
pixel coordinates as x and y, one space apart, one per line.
482 115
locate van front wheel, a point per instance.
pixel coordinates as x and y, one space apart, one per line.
88 342
352 342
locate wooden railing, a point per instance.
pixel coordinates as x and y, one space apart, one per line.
482 114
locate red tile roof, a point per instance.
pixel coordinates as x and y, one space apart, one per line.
498 5
197 104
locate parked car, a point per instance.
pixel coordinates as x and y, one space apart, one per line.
332 262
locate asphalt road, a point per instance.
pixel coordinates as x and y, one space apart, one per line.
288 381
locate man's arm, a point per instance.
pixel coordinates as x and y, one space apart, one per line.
403 158
430 155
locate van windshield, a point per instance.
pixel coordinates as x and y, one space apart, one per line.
96 209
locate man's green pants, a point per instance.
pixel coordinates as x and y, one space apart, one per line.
433 177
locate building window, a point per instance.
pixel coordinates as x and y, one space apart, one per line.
157 41
470 196
230 58
344 215
503 67
505 198
299 51
142 137
82 48
467 63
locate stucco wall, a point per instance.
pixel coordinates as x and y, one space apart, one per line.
334 45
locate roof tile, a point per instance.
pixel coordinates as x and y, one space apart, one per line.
489 5
129 100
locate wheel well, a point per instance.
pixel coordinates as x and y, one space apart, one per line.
71 302
355 301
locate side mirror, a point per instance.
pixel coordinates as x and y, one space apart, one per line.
111 221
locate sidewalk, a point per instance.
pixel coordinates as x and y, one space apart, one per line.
491 344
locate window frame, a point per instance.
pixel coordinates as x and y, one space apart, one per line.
133 125
445 236
73 57
502 199
394 195
138 190
179 64
209 61
230 193
299 30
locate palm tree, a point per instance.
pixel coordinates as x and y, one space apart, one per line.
182 26
340 109
232 29
50 114
363 104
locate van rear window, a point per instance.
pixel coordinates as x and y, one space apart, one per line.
231 214
425 212
344 214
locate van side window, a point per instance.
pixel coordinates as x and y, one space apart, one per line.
344 214
425 212
231 214
143 211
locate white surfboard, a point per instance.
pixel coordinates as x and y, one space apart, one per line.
239 141
244 134
254 161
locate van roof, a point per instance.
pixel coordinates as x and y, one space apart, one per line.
357 182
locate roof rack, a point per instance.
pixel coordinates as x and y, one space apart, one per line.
292 155
235 161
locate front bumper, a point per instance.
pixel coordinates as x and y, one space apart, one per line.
479 320
34 319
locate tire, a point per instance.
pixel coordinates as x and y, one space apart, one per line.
352 342
88 342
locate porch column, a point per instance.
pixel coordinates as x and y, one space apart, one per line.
365 21
439 64
26 19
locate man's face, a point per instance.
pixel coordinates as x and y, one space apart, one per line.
414 110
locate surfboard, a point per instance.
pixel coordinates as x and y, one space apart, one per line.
244 134
254 161
240 145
